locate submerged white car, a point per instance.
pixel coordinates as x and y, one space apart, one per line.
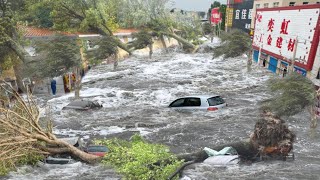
202 102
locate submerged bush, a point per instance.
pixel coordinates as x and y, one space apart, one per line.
136 159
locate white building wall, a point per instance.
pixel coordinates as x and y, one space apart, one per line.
315 69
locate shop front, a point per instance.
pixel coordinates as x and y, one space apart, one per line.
273 64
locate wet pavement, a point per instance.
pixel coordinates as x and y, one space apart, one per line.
135 99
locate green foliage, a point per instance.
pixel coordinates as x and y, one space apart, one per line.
139 13
38 13
207 29
106 47
292 94
141 40
75 15
135 159
32 158
60 55
233 44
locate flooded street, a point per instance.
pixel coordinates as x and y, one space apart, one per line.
135 99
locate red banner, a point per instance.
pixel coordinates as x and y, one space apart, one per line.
215 16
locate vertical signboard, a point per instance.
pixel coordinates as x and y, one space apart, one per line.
229 17
279 30
215 16
242 15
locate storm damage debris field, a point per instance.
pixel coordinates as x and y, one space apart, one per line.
135 98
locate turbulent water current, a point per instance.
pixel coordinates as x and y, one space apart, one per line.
135 99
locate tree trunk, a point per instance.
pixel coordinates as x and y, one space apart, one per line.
18 73
77 84
249 62
185 43
314 120
115 63
244 149
163 43
150 50
89 158
123 46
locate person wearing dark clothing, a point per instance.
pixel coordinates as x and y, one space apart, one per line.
264 62
285 71
54 86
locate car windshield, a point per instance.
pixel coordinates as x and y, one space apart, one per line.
215 101
98 149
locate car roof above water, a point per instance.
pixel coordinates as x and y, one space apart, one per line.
201 96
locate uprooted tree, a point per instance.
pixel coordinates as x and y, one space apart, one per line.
271 137
233 44
292 95
25 138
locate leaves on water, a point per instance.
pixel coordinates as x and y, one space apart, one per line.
135 159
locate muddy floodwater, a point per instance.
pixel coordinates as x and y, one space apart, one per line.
135 99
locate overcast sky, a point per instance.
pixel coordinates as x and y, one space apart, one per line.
194 5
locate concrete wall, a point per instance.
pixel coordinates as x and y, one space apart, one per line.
156 45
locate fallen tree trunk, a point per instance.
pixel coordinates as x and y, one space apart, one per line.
271 137
23 135
187 45
244 148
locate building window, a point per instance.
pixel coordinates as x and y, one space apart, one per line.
292 3
305 3
266 5
276 4
257 6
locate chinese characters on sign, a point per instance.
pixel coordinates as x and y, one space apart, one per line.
229 13
242 15
279 30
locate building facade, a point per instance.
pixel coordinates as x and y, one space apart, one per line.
286 33
258 4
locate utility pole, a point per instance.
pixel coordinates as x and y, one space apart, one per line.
261 45
294 55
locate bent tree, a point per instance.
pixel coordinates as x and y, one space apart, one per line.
155 15
94 16
10 43
25 136
141 40
292 95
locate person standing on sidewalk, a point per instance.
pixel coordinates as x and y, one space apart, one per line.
285 71
54 86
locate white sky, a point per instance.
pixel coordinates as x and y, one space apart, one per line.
194 5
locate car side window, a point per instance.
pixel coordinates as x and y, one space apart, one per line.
215 101
192 102
177 103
